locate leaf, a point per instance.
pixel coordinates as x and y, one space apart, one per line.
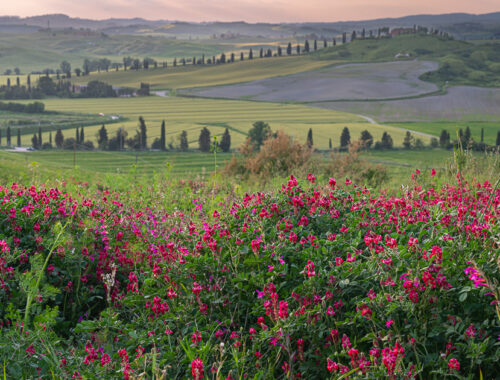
463 297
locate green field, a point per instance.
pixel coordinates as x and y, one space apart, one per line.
199 76
192 114
434 128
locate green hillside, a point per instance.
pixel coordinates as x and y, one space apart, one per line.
462 63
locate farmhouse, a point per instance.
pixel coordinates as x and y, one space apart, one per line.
399 31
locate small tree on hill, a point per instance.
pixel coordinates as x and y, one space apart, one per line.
279 51
261 53
204 140
183 141
330 143
40 142
250 54
242 56
102 138
298 49
82 136
325 44
315 45
306 46
408 141
77 135
8 136
163 136
309 140
259 132
18 137
345 138
366 139
0 137
59 139
386 141
225 142
498 139
289 49
467 136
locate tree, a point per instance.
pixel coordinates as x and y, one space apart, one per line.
232 57
467 136
309 140
259 132
330 143
8 135
353 35
18 137
77 136
204 140
34 141
225 142
222 58
386 142
279 51
345 138
40 136
344 38
78 72
143 135
242 56
250 54
289 49
17 71
0 137
183 141
59 139
306 46
50 138
261 53
444 139
102 138
298 49
366 139
482 135
315 45
162 136
66 68
498 138
409 141
82 136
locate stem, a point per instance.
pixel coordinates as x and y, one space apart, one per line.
40 275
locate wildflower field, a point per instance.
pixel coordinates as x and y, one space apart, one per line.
318 279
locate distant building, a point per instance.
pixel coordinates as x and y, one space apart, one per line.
399 31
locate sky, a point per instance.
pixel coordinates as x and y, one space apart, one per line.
247 10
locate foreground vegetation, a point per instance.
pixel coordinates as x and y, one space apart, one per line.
321 279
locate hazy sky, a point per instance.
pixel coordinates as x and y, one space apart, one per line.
248 10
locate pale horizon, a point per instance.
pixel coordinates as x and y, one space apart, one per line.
252 11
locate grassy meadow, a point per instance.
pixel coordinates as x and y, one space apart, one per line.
192 114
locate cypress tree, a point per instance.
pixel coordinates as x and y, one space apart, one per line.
183 143
408 141
242 57
8 135
143 133
102 138
498 138
77 136
279 51
482 135
306 46
204 140
34 141
40 136
467 136
334 42
330 143
309 140
82 135
444 139
50 138
325 44
59 139
289 49
298 49
345 138
366 139
162 136
225 143
0 137
315 45
250 54
261 53
387 142
18 137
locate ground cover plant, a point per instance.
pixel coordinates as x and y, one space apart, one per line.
314 280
